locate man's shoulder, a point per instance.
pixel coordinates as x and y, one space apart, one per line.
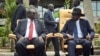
47 11
39 20
23 20
21 6
82 19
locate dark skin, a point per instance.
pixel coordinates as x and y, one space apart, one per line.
31 15
76 17
51 7
76 3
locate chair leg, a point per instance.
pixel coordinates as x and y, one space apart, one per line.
92 51
15 54
66 54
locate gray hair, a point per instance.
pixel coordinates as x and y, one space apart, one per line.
32 7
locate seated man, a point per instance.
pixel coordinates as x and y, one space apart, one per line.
78 31
30 31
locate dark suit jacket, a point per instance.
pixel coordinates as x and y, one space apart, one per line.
22 25
19 13
49 21
84 25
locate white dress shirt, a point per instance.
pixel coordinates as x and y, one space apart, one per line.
34 35
80 35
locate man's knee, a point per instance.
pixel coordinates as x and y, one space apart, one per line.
41 44
71 42
87 42
18 45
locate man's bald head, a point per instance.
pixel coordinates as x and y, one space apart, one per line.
51 7
76 3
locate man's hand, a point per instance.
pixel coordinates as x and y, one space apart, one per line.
41 38
88 37
21 38
70 36
12 36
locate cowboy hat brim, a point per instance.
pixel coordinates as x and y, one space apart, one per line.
74 13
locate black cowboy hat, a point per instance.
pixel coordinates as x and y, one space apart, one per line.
77 11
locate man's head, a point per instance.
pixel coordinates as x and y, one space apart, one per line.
76 13
51 7
31 13
76 3
19 2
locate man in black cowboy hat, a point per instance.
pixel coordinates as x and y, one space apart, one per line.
78 31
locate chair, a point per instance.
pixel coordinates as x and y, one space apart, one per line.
55 35
64 15
29 47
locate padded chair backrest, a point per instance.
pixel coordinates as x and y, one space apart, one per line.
64 15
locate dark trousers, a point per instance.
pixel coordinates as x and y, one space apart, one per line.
55 44
54 40
85 43
22 51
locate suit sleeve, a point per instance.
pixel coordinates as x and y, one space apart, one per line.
47 20
17 30
90 30
44 31
65 29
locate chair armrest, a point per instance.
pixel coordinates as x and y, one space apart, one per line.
96 35
30 46
77 46
12 36
56 35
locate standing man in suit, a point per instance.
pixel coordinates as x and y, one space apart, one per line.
30 31
78 31
51 26
19 13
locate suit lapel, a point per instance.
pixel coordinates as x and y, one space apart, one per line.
36 26
25 25
72 25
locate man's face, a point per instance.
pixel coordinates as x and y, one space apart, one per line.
32 15
51 8
75 16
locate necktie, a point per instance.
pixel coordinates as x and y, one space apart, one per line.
75 32
30 30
